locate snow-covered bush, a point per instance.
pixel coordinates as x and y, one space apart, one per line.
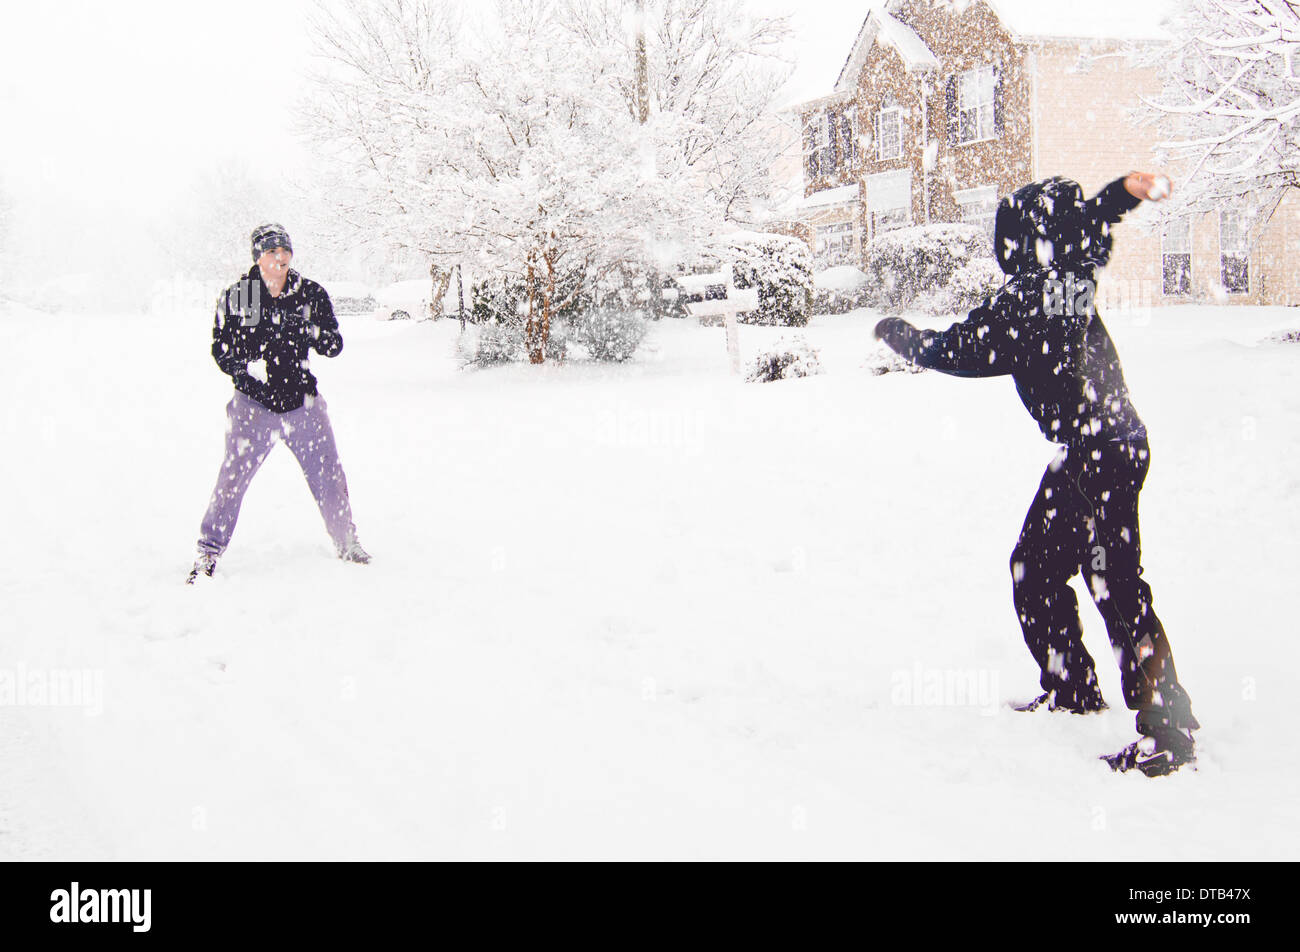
607 317
505 299
505 342
609 334
885 361
971 284
787 359
909 262
780 267
490 343
1283 337
642 288
839 290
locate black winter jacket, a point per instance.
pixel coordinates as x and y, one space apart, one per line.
251 325
1041 326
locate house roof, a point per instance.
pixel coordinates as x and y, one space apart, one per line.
879 25
1092 20
1023 19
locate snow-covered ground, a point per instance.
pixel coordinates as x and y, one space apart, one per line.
636 611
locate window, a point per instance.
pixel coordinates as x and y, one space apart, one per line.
889 134
972 98
848 124
830 142
816 147
1234 251
1176 256
835 244
889 201
978 206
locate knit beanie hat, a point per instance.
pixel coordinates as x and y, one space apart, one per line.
268 236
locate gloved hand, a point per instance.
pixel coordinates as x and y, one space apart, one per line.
250 386
882 327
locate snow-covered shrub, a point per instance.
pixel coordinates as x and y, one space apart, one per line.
499 312
839 290
505 299
670 300
787 359
504 342
642 288
885 361
609 334
909 262
971 284
1283 337
492 342
780 267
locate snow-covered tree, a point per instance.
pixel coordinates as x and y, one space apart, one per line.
1230 101
518 148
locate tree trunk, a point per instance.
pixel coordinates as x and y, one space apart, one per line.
534 334
441 279
642 67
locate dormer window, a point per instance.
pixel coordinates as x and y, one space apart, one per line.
889 134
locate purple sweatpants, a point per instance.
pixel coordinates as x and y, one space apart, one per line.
251 431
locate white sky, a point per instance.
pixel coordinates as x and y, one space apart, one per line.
119 104
111 113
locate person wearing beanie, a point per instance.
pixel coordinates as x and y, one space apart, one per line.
1042 328
266 324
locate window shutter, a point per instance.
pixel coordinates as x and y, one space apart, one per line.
847 147
833 139
950 105
997 100
810 148
875 132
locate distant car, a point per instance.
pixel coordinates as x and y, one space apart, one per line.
404 301
709 286
350 297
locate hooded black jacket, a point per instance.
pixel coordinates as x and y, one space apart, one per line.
1042 326
251 325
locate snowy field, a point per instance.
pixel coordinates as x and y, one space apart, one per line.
640 611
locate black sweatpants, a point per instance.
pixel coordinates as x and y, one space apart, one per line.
1085 518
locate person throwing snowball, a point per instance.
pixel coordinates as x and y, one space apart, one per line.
1042 328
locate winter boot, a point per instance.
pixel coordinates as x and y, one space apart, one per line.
1088 704
204 565
354 553
1161 750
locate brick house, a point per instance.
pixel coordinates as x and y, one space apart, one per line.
944 107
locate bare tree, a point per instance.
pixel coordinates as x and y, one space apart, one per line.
1230 101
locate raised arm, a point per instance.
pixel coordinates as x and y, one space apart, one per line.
1113 202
